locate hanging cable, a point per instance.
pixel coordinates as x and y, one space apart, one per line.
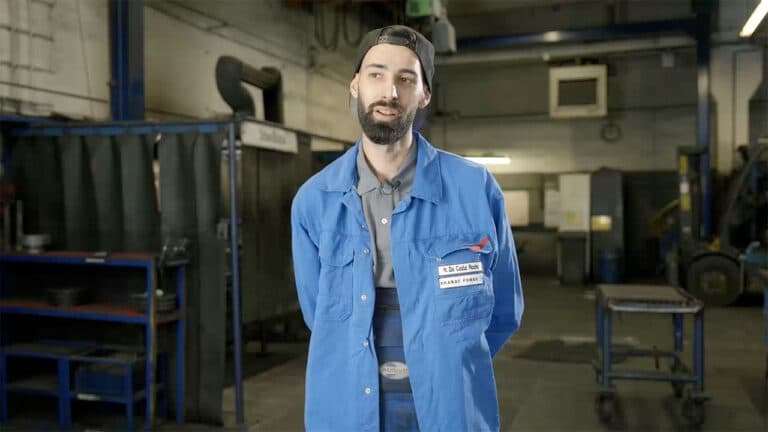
360 29
320 33
85 59
318 26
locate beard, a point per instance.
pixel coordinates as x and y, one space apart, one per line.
387 132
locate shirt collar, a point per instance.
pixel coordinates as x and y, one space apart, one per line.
368 180
427 183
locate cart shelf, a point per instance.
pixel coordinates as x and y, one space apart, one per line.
137 396
45 385
86 258
91 311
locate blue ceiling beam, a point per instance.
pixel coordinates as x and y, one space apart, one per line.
607 33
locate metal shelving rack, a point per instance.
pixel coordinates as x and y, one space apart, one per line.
96 312
230 128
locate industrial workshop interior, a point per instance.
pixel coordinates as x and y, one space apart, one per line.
384 215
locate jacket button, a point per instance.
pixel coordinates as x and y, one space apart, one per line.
366 251
367 390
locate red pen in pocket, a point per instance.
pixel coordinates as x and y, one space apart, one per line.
480 245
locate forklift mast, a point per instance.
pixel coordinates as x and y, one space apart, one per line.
689 176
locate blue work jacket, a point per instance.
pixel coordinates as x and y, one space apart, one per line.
458 284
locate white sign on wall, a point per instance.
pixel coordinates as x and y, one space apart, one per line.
551 208
268 137
574 202
517 204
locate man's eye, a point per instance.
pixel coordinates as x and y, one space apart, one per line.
374 75
406 79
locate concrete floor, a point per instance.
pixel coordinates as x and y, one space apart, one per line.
544 376
545 380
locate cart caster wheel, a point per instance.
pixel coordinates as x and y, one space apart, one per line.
606 407
693 411
678 388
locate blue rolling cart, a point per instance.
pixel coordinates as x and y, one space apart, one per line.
67 354
764 279
650 299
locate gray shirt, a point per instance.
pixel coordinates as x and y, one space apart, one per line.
379 200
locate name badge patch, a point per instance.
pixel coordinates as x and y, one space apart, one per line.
394 370
457 269
461 281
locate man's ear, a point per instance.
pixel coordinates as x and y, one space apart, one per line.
353 85
425 100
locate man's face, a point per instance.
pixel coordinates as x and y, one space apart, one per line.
389 89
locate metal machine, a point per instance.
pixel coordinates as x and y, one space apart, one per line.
721 269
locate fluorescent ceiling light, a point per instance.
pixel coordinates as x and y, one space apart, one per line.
754 20
490 160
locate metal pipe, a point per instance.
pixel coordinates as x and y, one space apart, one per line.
650 376
539 53
231 72
19 225
599 331
3 391
7 244
643 353
677 320
181 300
150 341
120 128
607 331
703 128
698 352
235 255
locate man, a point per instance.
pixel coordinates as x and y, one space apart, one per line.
405 266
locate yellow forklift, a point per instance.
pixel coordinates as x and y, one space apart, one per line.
719 269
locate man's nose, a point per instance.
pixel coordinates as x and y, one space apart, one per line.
390 92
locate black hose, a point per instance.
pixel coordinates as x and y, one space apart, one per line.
320 34
360 31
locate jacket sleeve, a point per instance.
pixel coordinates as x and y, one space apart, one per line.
507 289
306 262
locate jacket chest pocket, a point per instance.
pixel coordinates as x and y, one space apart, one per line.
335 284
461 279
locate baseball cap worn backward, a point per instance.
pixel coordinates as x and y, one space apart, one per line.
404 36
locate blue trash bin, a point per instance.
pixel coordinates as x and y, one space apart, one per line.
609 266
765 315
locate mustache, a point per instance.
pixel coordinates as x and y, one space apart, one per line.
391 104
